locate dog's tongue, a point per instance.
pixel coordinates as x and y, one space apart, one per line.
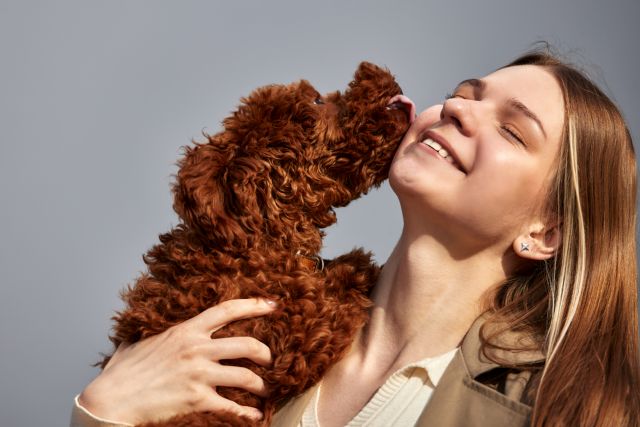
403 102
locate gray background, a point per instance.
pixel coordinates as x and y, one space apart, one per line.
97 97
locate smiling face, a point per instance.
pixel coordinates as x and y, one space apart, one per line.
500 136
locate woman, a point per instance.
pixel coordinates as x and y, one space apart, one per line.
510 298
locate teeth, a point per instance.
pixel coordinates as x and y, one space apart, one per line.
444 153
431 143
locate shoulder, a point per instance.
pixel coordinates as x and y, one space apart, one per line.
487 385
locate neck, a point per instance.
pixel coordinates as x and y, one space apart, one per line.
425 301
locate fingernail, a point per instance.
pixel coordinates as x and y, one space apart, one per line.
271 303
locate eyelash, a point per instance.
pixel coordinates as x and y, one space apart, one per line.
513 134
508 130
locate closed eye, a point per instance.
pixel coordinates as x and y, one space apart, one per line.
511 134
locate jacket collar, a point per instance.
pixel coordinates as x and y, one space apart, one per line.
469 359
462 400
477 363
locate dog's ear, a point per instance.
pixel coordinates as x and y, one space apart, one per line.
215 192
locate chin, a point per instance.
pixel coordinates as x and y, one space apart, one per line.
400 181
417 194
408 177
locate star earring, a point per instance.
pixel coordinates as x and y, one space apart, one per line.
524 246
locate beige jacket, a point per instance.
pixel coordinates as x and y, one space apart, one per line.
460 399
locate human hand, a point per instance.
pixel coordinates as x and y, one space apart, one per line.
178 370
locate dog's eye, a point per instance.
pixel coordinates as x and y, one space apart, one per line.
318 101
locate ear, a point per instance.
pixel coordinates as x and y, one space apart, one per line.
539 241
197 195
215 192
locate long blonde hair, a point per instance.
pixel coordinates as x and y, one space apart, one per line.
582 304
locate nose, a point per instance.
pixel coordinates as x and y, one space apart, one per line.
460 112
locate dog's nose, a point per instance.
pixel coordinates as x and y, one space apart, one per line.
404 103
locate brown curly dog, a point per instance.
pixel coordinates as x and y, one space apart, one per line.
252 201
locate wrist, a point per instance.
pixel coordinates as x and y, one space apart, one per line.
99 406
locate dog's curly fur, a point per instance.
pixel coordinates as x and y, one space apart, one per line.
252 201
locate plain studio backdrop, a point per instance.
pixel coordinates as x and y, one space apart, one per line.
96 99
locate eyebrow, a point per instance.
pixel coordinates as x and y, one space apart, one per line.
513 103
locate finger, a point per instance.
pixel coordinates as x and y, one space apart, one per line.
219 315
235 376
240 347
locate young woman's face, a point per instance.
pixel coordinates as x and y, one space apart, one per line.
500 136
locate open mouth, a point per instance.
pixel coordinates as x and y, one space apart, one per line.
442 152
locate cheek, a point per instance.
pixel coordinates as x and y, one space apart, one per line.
506 180
425 120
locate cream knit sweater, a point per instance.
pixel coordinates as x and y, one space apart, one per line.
400 400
